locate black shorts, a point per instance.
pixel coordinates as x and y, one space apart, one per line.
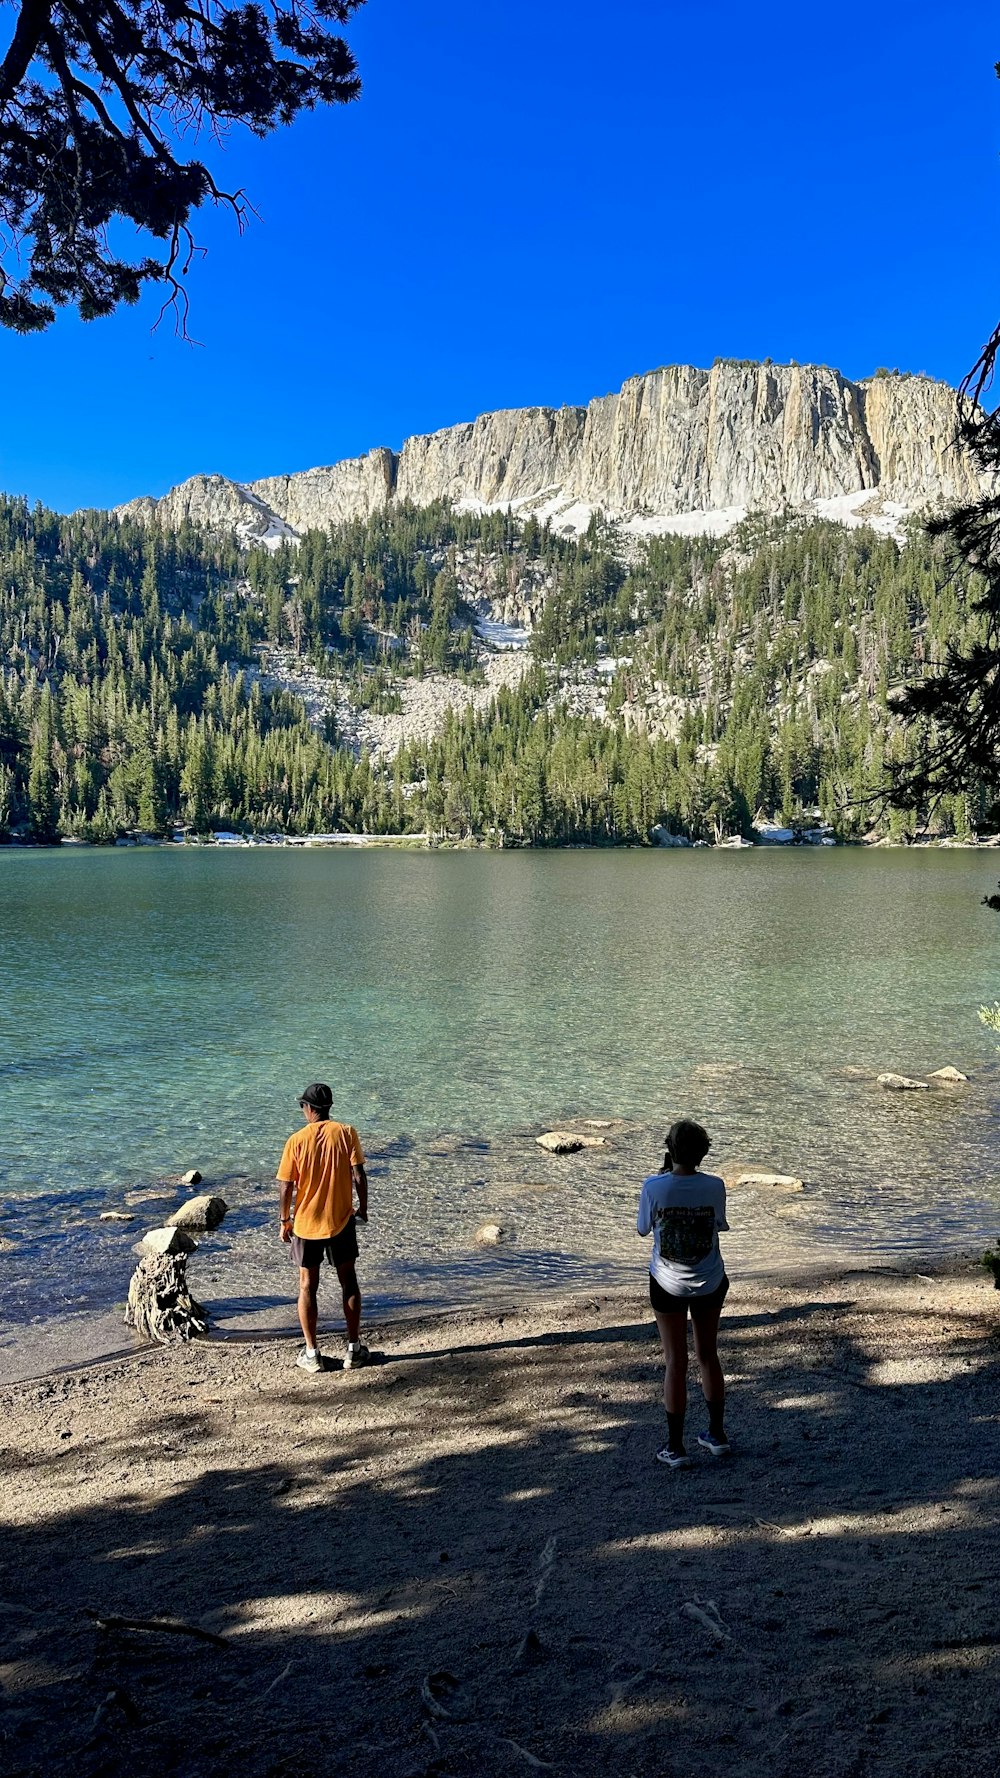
666 1304
341 1249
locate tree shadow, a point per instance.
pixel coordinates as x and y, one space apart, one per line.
489 1509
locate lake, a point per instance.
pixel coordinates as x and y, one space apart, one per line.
163 1009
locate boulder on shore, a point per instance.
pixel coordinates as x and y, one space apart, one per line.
902 1083
198 1213
568 1141
168 1241
948 1076
160 1306
766 1180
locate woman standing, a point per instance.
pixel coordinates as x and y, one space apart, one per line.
684 1210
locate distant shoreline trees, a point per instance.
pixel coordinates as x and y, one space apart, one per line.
694 685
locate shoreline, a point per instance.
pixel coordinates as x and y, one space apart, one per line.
470 1546
416 842
272 1323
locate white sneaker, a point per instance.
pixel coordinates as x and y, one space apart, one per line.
674 1459
357 1354
309 1361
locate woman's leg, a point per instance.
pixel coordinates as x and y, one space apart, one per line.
672 1329
706 1346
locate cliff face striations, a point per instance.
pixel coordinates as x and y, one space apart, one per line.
678 448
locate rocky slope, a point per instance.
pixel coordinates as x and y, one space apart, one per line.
677 449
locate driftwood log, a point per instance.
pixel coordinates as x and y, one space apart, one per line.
160 1306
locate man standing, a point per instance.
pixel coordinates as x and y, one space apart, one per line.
321 1167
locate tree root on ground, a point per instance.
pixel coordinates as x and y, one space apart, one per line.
160 1306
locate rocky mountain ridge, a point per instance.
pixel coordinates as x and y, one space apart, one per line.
678 449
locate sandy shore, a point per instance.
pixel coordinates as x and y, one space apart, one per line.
465 1560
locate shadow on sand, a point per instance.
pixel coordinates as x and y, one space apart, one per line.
464 1561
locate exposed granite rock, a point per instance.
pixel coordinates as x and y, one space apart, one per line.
490 1234
948 1076
677 441
198 1213
902 1083
568 1141
320 497
215 502
168 1240
763 1179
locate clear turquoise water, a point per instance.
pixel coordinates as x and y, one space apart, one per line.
163 1008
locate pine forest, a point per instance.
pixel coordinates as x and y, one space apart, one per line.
694 683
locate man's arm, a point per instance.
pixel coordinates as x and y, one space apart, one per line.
285 1207
360 1178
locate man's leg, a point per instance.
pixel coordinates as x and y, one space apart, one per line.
352 1298
308 1290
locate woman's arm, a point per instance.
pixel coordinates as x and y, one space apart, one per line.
644 1218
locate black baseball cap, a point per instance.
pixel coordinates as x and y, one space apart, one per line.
318 1096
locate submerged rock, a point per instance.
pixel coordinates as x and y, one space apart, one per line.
116 1216
766 1180
199 1213
568 1141
491 1234
168 1240
902 1083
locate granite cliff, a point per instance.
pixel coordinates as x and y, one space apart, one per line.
676 449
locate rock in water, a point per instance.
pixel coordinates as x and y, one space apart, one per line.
116 1216
160 1306
901 1083
198 1213
948 1076
167 1240
490 1234
568 1141
778 1182
192 1178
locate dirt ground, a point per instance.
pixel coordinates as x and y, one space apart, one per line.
465 1560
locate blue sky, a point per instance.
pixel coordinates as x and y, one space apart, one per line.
532 201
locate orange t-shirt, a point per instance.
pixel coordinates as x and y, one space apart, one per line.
318 1162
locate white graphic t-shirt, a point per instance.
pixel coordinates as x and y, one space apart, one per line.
684 1217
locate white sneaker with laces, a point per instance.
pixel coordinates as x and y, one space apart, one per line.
674 1459
356 1355
309 1361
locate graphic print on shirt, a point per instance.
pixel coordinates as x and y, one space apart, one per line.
686 1234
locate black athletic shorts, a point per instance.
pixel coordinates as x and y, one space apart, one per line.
340 1249
666 1304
